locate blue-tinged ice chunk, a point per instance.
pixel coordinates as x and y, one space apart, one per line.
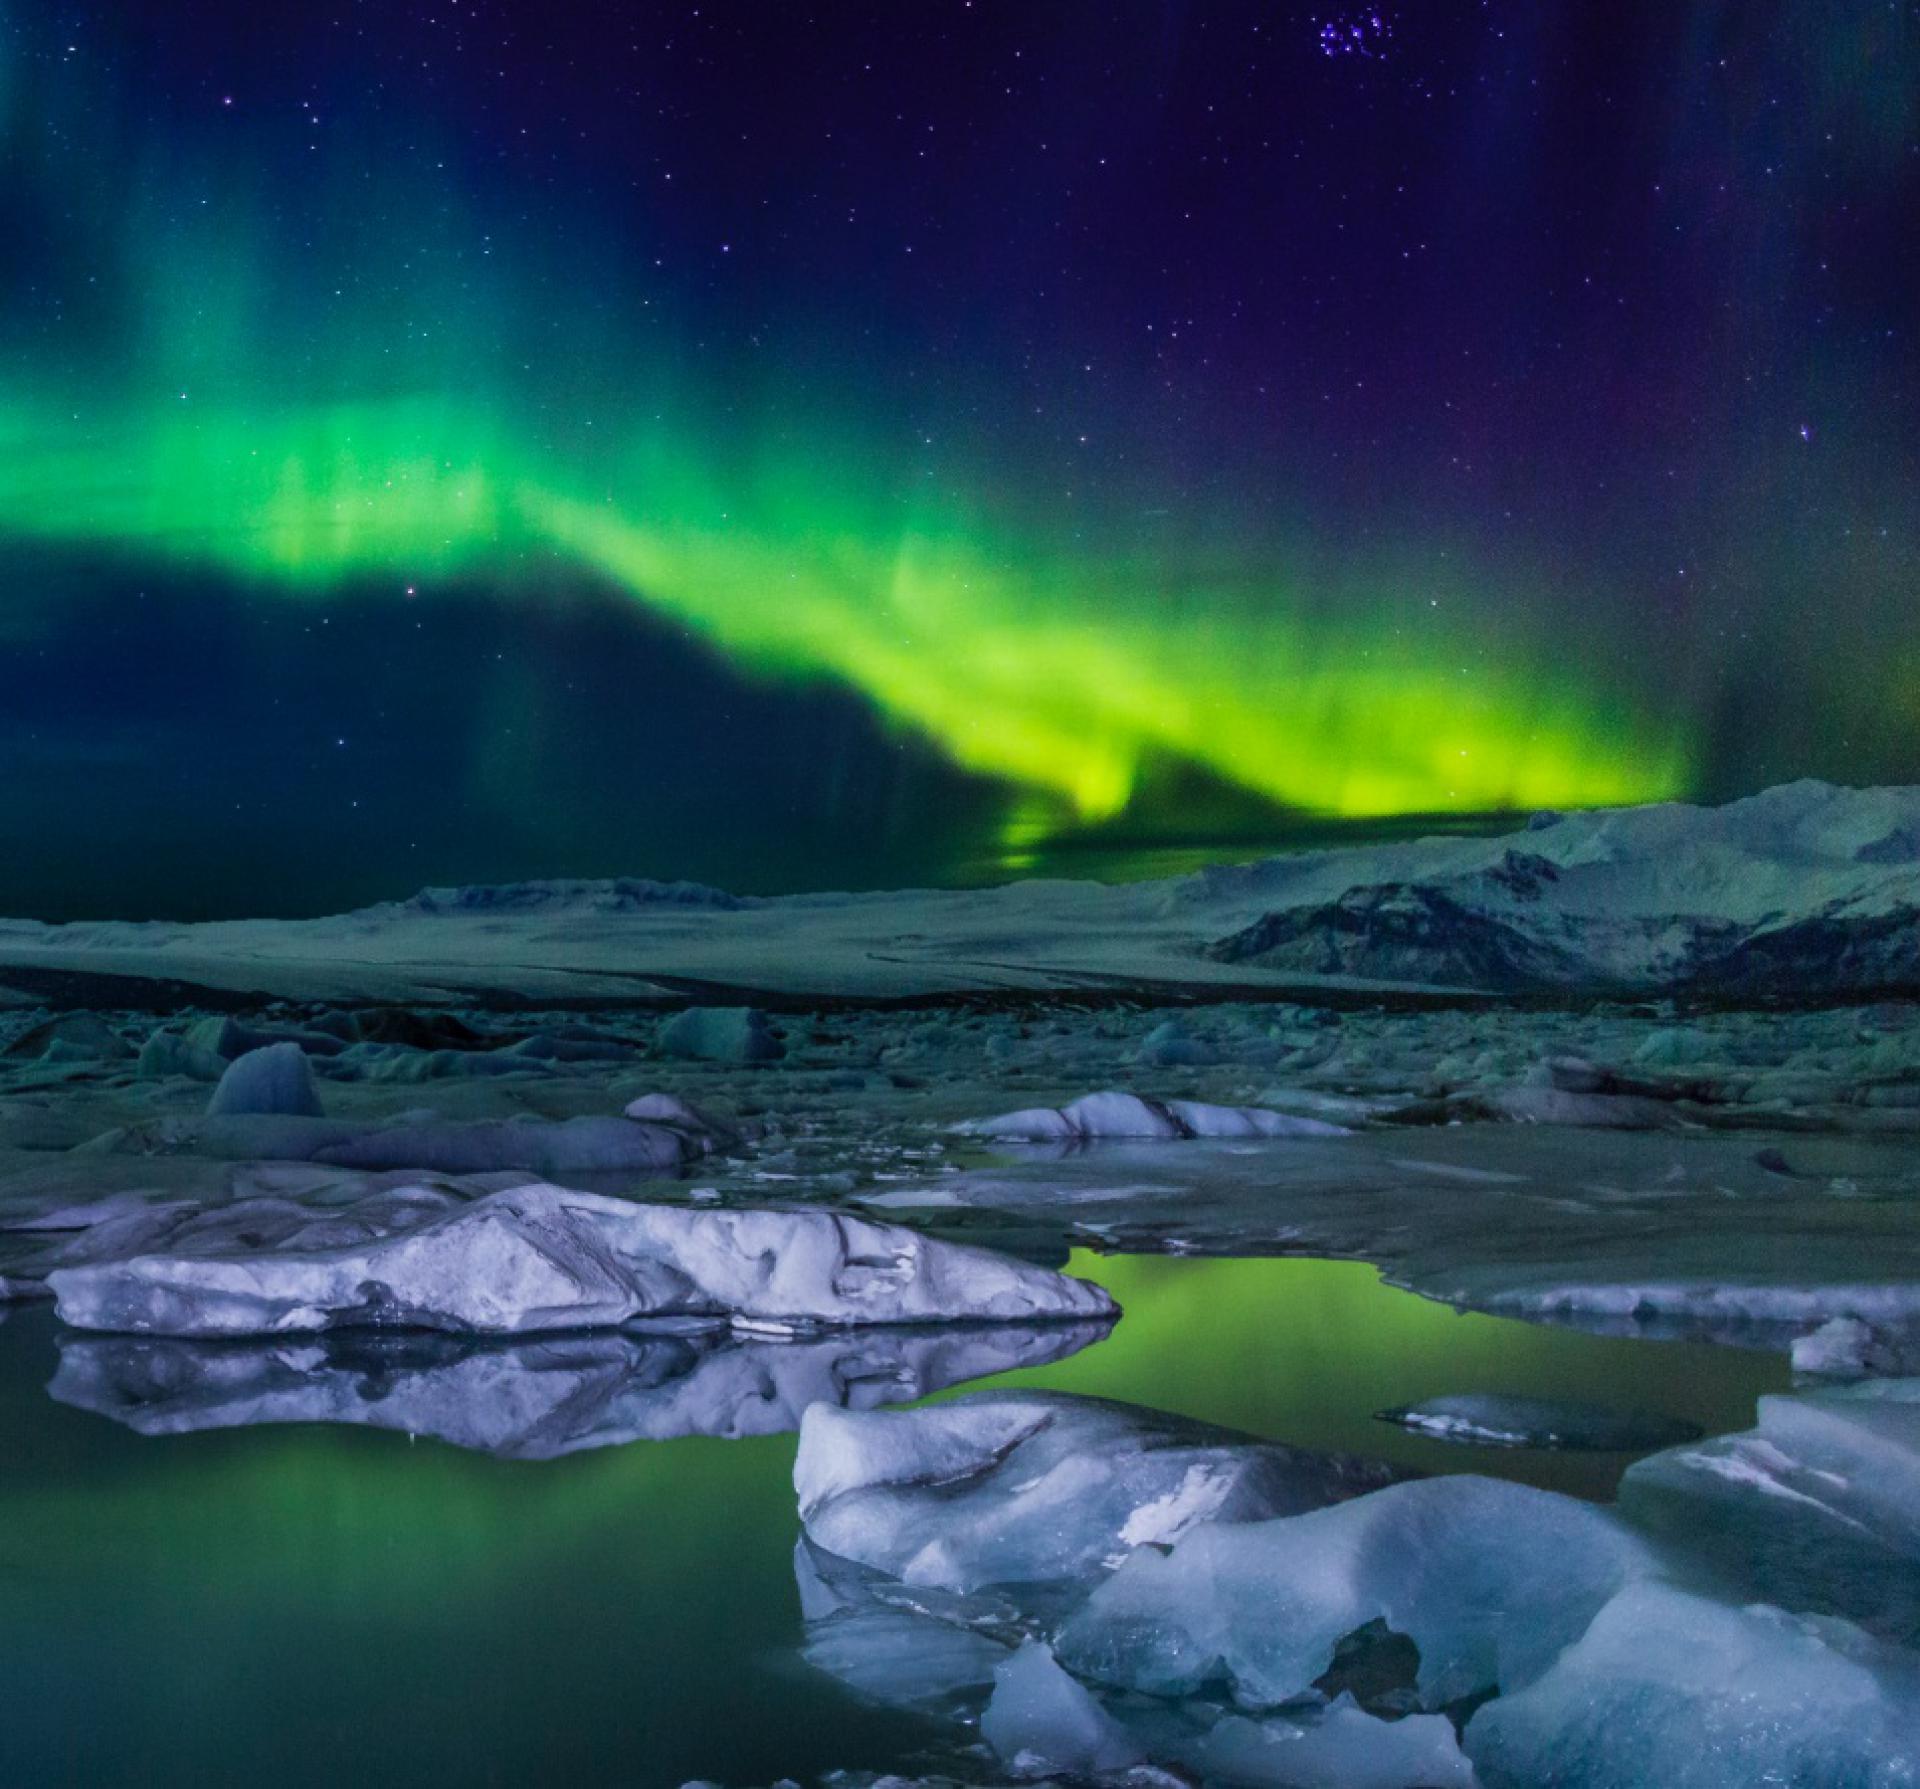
1669 1688
1816 1508
1489 1580
1037 1487
274 1080
1043 1723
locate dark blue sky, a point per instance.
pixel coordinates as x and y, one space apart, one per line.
790 447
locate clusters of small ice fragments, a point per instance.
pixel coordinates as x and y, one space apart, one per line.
1086 1590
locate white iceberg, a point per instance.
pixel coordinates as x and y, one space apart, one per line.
1846 1348
1114 1115
1032 1487
538 1257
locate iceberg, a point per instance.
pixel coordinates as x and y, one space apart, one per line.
1489 1580
1678 1690
273 1079
1037 1487
1817 1508
930 1653
540 1257
1096 1116
1846 1348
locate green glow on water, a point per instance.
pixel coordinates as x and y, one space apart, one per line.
318 1604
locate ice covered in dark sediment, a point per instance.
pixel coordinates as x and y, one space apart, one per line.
1488 1579
537 1399
272 1079
1816 1508
1492 1419
1127 1115
541 1258
1679 1690
1029 1487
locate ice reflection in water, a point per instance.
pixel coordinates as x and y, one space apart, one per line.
312 1602
540 1399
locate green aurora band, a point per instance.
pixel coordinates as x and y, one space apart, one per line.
1063 676
504 410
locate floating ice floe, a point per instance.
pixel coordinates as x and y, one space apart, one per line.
1493 1420
1128 1115
1846 1348
1677 1690
1029 1487
540 1399
1489 1580
539 1257
1817 1508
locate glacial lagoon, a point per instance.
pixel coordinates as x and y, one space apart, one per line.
325 1602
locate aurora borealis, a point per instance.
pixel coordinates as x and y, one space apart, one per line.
451 442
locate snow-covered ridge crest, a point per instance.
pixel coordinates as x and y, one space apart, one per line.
1808 890
1807 887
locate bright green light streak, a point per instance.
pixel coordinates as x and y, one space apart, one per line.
1064 677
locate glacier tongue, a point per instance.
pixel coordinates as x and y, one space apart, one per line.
539 1257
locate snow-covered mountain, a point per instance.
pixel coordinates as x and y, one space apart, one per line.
1805 891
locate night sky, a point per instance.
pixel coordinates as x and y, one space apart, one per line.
799 446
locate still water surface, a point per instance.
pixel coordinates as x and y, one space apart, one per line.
313 1604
